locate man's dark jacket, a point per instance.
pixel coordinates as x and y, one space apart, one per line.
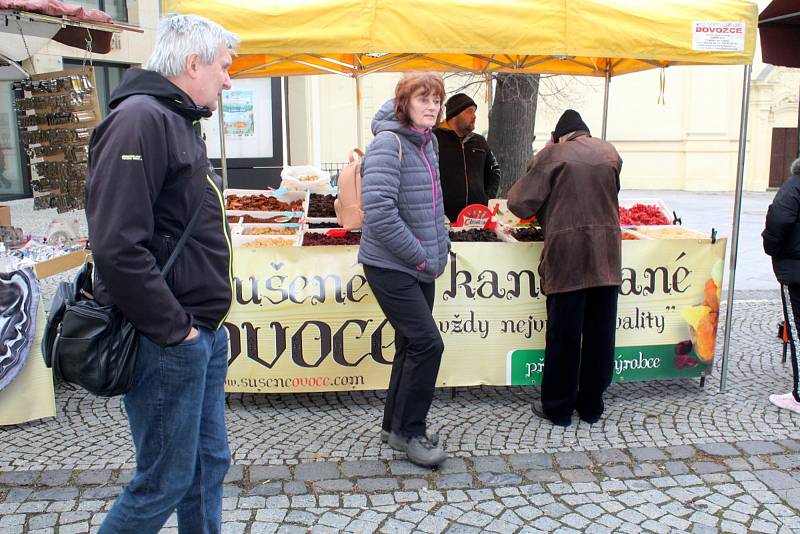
469 171
148 173
782 232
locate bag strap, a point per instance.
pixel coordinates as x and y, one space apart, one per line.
351 158
399 146
182 240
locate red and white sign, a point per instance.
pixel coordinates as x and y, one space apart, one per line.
718 36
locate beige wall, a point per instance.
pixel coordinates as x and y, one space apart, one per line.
690 141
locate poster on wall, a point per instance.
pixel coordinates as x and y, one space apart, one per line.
238 113
247 118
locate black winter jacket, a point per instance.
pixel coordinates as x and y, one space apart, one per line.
469 171
148 173
782 232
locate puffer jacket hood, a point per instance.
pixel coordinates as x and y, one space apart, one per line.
146 82
386 120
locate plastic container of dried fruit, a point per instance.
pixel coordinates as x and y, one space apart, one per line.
657 202
252 241
282 196
501 237
307 230
504 215
504 231
670 231
317 220
635 236
242 229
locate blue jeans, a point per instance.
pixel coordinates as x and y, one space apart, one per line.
176 412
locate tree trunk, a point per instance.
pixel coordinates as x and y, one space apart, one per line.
511 125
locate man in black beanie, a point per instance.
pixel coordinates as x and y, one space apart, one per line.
572 187
469 171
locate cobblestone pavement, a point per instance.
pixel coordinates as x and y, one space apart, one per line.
668 457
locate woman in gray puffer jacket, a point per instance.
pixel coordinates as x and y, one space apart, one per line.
404 248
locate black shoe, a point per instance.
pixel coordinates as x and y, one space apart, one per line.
591 419
537 409
593 416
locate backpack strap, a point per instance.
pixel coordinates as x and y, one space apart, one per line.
399 146
351 157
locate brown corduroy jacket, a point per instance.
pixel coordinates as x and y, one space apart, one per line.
572 188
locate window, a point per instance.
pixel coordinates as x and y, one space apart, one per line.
117 9
13 176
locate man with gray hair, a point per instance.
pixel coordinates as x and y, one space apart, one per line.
782 242
149 176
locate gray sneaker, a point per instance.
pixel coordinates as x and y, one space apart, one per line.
433 438
422 452
419 449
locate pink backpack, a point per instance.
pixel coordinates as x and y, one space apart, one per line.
349 212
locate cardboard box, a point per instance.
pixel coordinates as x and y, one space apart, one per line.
48 268
5 215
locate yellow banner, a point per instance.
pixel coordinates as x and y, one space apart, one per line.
304 319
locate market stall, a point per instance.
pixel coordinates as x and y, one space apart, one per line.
304 319
282 293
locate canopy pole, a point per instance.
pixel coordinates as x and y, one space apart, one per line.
359 113
605 103
223 156
737 211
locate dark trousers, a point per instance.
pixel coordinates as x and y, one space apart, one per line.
790 295
407 304
579 351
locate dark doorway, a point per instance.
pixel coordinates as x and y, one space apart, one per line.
784 152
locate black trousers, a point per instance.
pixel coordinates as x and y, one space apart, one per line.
579 351
790 295
407 304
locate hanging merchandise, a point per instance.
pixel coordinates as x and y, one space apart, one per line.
56 113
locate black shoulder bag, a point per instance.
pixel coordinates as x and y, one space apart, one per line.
90 345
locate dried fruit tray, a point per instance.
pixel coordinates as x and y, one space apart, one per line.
657 202
289 229
265 241
669 232
335 237
286 197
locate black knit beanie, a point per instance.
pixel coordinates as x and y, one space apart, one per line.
569 122
456 104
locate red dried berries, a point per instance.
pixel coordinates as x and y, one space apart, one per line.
642 215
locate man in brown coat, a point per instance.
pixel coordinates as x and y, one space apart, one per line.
572 189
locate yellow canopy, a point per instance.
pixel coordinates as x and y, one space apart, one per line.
578 37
